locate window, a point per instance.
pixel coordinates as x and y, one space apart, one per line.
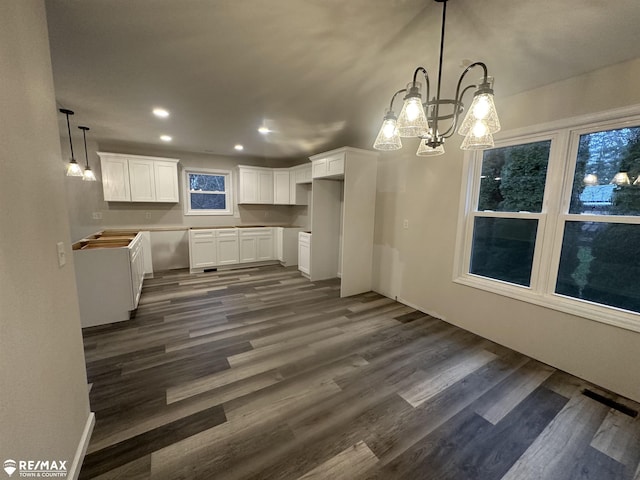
207 192
554 219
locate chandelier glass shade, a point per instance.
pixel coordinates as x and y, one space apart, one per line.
421 117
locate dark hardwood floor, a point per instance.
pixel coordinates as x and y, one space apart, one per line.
260 374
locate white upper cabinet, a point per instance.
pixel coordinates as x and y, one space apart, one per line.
274 186
115 178
329 165
142 180
281 186
256 185
166 180
134 178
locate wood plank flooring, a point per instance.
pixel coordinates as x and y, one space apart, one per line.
260 374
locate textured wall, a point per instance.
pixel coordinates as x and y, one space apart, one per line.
44 404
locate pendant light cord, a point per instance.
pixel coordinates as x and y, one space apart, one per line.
84 137
437 112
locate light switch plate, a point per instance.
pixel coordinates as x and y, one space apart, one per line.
405 224
62 255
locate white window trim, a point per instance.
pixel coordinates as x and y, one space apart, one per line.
207 171
560 170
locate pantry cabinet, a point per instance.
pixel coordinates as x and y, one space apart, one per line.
342 217
136 178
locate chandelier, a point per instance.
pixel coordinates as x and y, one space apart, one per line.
424 119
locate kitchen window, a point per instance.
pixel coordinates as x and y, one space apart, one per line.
553 218
208 192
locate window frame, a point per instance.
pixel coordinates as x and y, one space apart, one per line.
564 136
228 174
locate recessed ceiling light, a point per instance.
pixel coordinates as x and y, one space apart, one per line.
166 138
264 130
160 112
239 147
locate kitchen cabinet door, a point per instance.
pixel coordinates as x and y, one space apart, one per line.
166 181
227 247
265 186
137 271
304 253
264 247
319 168
279 243
303 173
202 249
248 191
115 179
255 185
281 187
142 180
248 249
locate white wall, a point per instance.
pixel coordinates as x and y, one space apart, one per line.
416 264
44 405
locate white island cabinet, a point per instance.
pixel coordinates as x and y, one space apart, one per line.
136 178
109 271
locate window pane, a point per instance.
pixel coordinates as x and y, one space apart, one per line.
600 263
208 201
606 180
503 248
206 183
513 178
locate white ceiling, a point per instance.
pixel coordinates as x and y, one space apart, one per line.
320 72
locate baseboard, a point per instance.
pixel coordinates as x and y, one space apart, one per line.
74 471
428 312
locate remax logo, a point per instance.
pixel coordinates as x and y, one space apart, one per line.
10 466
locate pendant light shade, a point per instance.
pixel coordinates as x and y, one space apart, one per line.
412 121
88 175
621 178
479 138
424 150
73 169
428 147
388 138
590 179
482 110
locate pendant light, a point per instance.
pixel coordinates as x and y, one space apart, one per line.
420 116
73 169
88 175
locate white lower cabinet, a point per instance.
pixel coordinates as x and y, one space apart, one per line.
110 272
217 247
304 252
248 249
264 247
202 249
227 248
136 253
256 244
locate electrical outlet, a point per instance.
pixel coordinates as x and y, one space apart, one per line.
147 215
405 224
97 215
62 255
